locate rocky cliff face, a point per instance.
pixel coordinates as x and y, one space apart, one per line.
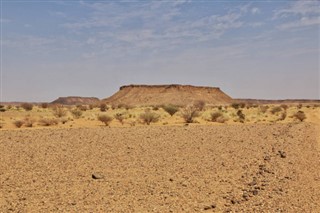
141 95
74 100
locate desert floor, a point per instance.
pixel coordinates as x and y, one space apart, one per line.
264 167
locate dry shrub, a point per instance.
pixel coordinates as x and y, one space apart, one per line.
120 117
284 106
18 123
155 108
149 117
59 111
48 121
82 107
76 113
27 106
1 125
103 107
28 122
218 117
264 108
91 106
189 114
123 106
171 109
300 115
44 105
235 105
299 106
276 109
241 116
199 105
283 116
106 119
2 109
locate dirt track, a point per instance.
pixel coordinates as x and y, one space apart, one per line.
252 168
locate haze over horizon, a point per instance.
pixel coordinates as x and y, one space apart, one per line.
250 49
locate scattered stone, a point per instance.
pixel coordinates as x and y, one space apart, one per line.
267 158
282 154
212 206
255 192
97 176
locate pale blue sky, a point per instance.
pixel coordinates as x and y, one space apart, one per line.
250 49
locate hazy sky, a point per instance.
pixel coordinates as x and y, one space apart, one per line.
250 49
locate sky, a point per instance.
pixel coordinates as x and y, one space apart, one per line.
250 49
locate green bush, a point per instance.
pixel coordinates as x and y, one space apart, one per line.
171 109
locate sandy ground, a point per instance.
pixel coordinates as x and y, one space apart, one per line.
195 168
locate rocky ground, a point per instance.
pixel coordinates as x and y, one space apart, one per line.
225 168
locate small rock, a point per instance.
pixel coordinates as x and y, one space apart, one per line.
212 206
282 154
171 179
255 192
97 176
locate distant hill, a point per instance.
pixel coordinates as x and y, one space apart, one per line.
284 101
74 100
140 95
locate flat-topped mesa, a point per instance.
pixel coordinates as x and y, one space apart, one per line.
166 86
146 95
75 100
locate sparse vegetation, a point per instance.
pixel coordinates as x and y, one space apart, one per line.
48 121
18 123
199 105
235 105
264 108
106 119
283 116
241 116
82 107
217 117
171 109
44 105
120 117
284 106
76 113
300 115
27 106
59 111
103 107
2 109
189 114
28 122
276 109
149 117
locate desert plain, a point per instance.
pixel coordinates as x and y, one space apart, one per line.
260 160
